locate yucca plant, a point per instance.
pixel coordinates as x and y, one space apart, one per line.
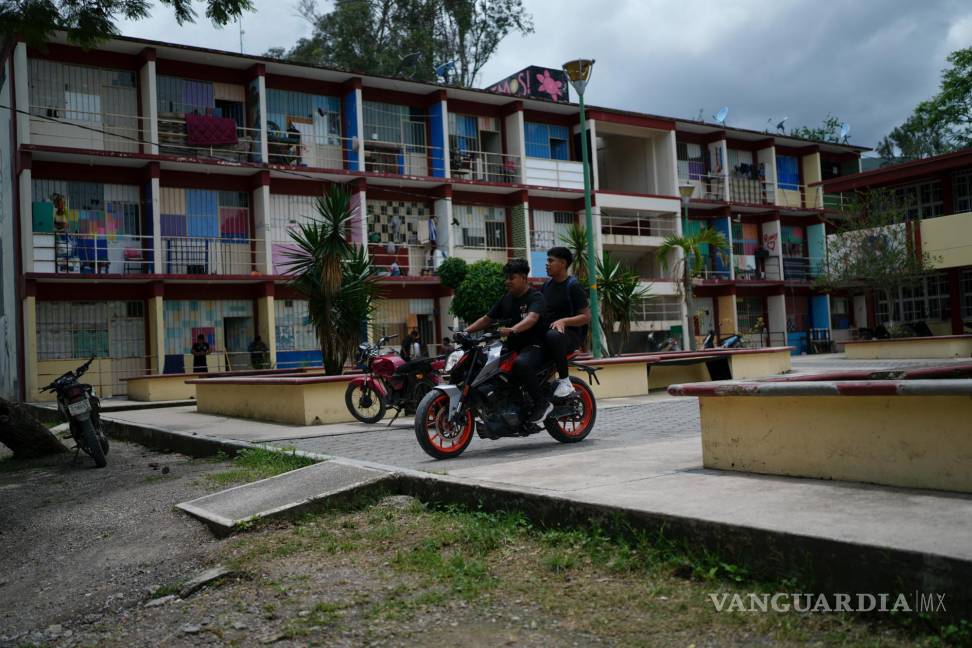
620 292
691 264
335 276
575 240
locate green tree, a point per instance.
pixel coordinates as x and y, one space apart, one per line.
691 264
90 22
828 131
621 293
482 286
575 240
452 271
940 124
873 248
407 37
335 276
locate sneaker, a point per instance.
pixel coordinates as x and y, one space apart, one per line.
540 411
564 388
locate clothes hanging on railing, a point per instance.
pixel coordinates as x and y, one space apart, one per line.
205 130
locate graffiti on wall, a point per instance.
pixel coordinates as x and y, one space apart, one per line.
535 82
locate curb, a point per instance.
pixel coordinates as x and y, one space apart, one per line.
825 564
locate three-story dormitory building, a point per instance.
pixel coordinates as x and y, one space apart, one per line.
147 190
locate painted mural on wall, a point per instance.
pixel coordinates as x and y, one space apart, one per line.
535 82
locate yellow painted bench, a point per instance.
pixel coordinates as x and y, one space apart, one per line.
178 386
296 400
939 346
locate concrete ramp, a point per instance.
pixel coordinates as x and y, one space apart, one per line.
310 488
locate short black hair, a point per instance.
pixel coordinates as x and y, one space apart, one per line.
561 253
516 266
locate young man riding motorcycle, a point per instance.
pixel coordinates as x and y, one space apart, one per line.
526 308
569 314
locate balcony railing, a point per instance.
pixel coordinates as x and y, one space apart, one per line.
404 260
563 174
86 130
767 269
306 148
72 253
176 138
208 256
707 186
752 192
715 269
801 268
484 166
473 253
799 196
396 158
620 225
837 201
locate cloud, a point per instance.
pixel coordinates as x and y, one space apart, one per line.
867 62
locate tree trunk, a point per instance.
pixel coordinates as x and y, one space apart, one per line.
24 434
690 307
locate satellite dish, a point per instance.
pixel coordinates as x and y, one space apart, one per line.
779 126
444 69
700 117
844 132
720 116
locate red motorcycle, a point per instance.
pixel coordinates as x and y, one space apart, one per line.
389 382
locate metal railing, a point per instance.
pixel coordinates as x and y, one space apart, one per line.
74 253
767 269
801 268
404 260
397 158
175 138
707 186
188 255
750 191
307 148
763 339
797 196
484 166
81 129
837 201
473 253
565 174
659 309
635 225
715 269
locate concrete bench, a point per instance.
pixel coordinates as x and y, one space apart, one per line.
176 386
938 346
296 400
899 428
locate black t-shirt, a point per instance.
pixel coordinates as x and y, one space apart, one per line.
200 348
560 304
513 310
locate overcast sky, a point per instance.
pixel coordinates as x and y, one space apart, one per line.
867 61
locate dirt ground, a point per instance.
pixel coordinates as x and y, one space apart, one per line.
93 557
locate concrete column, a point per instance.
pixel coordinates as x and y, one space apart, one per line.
592 152
819 312
515 141
267 325
813 195
264 136
26 222
443 223
22 87
30 348
816 246
439 145
155 190
261 223
359 210
720 164
148 90
156 329
776 305
728 319
767 157
773 242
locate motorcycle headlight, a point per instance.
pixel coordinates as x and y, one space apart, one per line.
453 360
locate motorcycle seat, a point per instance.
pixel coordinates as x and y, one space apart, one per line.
422 365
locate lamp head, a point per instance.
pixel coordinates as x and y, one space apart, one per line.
579 72
686 191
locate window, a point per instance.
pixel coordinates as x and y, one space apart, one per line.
463 133
787 172
745 238
665 308
482 227
391 123
966 293
963 192
920 200
547 141
926 300
840 313
750 314
691 160
549 227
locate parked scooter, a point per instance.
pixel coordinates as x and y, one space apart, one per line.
389 382
80 406
484 395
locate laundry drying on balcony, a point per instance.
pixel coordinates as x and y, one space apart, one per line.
206 130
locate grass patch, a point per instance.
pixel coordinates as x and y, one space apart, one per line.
252 464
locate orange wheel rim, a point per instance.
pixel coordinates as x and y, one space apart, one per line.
444 436
568 425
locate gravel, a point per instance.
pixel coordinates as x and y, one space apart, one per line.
82 544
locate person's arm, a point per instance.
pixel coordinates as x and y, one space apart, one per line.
580 319
480 324
523 325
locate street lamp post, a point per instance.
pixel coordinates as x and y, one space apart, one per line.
686 191
579 71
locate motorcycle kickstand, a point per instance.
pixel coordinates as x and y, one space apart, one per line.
398 410
77 451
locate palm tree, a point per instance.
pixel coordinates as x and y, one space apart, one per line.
575 240
335 276
691 264
620 292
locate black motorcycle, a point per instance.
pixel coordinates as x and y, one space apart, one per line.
483 395
80 406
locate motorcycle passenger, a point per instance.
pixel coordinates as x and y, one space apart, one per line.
569 314
525 307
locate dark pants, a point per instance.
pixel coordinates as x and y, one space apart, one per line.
199 366
558 346
525 370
